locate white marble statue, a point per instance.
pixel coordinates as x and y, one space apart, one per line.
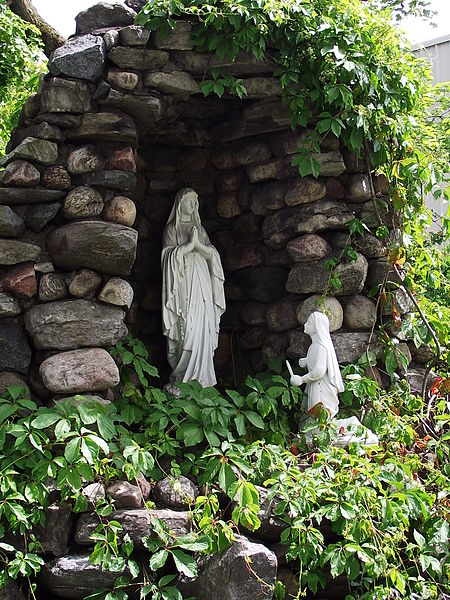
193 298
324 381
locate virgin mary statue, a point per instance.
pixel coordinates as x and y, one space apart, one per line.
192 294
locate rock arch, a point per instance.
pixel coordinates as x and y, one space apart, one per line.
116 127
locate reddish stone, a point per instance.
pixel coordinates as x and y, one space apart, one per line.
282 315
122 159
56 178
241 256
21 281
334 188
21 173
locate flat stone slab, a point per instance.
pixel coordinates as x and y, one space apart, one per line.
136 522
86 370
74 324
104 126
82 57
106 247
74 577
138 58
13 252
16 196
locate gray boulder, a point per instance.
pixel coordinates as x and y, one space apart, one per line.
13 252
285 224
11 225
82 57
34 149
106 247
37 217
74 324
87 370
117 292
246 570
103 15
312 277
15 352
73 576
52 286
9 306
61 96
125 494
178 493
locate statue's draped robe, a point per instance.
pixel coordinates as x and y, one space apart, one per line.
193 302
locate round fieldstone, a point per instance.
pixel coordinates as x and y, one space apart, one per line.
20 173
85 160
308 247
125 494
86 370
121 210
84 283
254 313
52 286
56 178
360 313
117 292
178 493
330 306
82 202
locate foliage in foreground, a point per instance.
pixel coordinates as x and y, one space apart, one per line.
378 517
21 63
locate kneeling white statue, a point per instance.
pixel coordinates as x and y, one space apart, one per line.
324 382
193 298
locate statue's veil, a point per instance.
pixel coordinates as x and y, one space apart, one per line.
174 219
322 327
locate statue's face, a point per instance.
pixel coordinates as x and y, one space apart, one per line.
309 325
188 204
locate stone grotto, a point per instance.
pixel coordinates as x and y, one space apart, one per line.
117 126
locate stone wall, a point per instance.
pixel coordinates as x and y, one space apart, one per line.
116 128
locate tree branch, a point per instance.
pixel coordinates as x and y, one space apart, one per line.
25 10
